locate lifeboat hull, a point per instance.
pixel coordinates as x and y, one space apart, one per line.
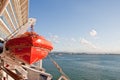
29 49
29 54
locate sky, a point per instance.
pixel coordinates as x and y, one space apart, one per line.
78 25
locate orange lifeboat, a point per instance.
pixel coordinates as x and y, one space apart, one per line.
29 47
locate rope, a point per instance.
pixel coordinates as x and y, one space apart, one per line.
59 68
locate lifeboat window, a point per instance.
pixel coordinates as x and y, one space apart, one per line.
1 48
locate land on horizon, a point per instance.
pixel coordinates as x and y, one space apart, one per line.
84 53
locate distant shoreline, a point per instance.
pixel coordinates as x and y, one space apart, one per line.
73 53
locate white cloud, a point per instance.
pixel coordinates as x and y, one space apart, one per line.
93 33
87 43
91 47
54 38
73 40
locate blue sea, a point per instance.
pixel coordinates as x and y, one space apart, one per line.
85 66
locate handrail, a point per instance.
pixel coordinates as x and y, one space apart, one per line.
63 75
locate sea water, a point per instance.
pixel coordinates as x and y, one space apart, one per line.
85 66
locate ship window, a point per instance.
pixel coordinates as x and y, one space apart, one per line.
13 9
11 16
5 21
